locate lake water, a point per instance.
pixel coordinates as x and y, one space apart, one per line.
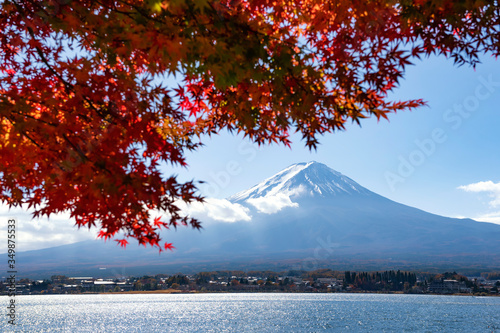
254 313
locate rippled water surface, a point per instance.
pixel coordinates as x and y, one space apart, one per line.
255 313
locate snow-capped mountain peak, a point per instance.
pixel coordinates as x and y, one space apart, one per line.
313 178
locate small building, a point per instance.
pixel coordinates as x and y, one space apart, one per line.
326 280
124 286
448 287
104 285
79 279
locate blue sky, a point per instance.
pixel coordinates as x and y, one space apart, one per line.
443 158
418 158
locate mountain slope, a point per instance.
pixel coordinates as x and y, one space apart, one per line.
327 203
305 217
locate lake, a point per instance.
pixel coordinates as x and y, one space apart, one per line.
256 312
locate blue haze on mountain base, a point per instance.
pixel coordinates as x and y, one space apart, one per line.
255 313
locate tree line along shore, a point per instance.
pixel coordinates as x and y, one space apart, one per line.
324 280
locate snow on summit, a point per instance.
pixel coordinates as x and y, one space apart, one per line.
283 190
272 185
299 179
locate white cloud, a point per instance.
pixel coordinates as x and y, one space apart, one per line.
60 229
272 204
493 217
39 233
493 191
218 210
489 187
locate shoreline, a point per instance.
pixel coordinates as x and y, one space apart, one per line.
168 291
177 292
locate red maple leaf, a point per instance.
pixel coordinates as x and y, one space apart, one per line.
169 246
122 242
71 130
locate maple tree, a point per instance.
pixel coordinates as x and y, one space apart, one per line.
87 120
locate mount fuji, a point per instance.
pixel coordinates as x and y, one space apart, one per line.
309 201
306 216
314 179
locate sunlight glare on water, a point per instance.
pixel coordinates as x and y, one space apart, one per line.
255 313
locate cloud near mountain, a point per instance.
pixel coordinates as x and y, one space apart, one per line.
493 217
493 191
283 190
489 187
271 204
223 210
220 210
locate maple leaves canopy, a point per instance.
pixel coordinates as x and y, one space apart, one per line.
87 118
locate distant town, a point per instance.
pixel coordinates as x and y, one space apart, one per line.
325 280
